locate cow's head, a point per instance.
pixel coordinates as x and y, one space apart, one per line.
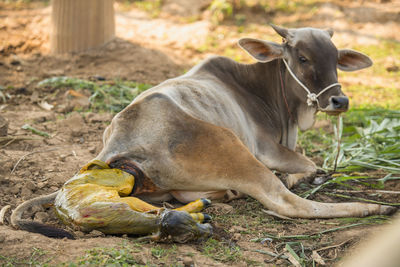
313 59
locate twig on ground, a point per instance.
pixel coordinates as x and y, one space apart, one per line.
30 153
11 139
3 212
367 191
339 228
9 142
18 137
74 154
315 235
335 246
272 254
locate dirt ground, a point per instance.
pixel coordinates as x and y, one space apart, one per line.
147 50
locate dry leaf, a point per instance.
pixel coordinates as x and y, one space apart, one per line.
75 93
46 106
292 259
317 258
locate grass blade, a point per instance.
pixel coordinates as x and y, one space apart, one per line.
34 130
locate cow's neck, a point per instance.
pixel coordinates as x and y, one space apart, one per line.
304 115
291 111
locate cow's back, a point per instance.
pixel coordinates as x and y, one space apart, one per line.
202 95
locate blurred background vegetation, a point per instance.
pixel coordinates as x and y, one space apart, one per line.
161 39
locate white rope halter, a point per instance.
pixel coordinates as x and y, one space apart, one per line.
311 97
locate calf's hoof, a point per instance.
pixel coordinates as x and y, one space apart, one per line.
182 228
387 210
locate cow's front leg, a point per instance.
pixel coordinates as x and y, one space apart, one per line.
280 158
293 179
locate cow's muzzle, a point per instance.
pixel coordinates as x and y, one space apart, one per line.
340 103
337 105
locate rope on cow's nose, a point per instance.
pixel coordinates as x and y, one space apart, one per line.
311 97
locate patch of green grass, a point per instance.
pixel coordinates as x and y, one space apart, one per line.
211 43
107 257
221 251
153 7
235 54
370 95
314 141
381 86
379 53
35 259
220 10
361 117
111 96
164 255
226 9
4 96
370 140
376 145
383 49
281 5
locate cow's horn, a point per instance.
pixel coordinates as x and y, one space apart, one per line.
330 31
281 31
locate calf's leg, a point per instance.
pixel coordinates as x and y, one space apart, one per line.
224 195
98 198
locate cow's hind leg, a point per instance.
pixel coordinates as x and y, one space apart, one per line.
215 159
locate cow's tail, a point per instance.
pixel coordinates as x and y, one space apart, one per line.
36 227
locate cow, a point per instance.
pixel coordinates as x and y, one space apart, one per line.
225 125
221 129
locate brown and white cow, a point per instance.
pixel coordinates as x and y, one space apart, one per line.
224 126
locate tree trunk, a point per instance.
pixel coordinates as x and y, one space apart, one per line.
79 25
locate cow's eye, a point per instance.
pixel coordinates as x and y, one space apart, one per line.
302 59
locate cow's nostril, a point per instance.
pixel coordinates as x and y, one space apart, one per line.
335 103
340 102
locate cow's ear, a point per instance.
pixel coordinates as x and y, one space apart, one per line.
262 51
350 60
